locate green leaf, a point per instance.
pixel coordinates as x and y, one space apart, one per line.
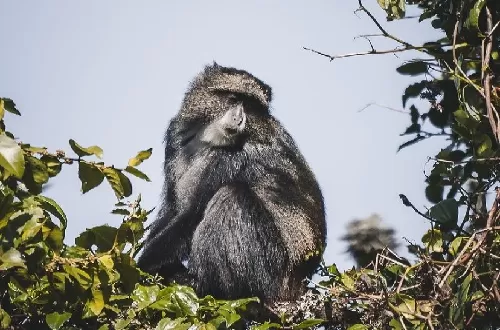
81 151
96 303
82 277
90 176
119 182
472 21
55 238
308 323
187 301
413 68
169 324
454 247
411 142
53 164
396 325
445 212
11 156
484 148
107 261
358 327
53 208
433 240
56 320
5 319
9 105
38 170
121 212
102 236
145 295
395 9
140 157
347 281
413 90
11 258
137 173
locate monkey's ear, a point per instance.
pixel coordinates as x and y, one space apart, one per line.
215 65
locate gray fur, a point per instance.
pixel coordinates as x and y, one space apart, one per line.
240 202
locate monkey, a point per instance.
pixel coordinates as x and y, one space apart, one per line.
242 214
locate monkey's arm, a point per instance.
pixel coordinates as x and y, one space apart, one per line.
168 242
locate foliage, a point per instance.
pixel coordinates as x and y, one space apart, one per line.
95 284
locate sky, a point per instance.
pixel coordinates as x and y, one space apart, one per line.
113 73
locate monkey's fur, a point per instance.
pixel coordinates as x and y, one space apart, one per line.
240 202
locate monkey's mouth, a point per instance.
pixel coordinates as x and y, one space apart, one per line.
238 125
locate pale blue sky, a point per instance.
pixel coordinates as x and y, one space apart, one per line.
113 73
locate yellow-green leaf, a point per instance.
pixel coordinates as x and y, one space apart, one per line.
11 156
90 176
81 151
56 320
140 157
11 258
96 303
137 173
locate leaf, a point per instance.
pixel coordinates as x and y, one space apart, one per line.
5 319
90 176
413 68
413 128
53 164
445 212
56 320
459 303
140 157
53 208
411 142
81 151
434 193
145 295
454 247
55 238
38 170
187 301
119 182
11 156
407 308
433 240
102 236
137 173
347 281
484 148
96 303
169 324
10 106
308 323
472 21
121 212
413 90
358 327
107 261
11 258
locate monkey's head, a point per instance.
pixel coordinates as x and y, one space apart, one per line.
227 106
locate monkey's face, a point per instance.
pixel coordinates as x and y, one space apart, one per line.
227 126
235 119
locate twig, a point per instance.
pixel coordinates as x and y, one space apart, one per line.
384 32
371 52
493 116
385 107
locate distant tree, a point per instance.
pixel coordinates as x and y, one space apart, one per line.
366 238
